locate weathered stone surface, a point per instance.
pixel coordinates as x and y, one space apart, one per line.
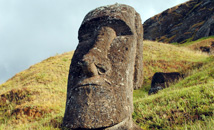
105 68
161 80
186 22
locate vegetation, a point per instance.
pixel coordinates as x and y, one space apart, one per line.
197 24
197 43
35 98
160 57
183 104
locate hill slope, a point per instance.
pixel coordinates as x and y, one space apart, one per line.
35 98
186 22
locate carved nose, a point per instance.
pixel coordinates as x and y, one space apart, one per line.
90 70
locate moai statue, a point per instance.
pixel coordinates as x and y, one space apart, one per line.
106 66
161 80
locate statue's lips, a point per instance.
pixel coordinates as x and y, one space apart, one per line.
87 84
97 83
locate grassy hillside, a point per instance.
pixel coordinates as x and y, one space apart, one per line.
35 98
195 45
187 104
203 42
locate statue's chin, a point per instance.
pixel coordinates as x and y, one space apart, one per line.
95 106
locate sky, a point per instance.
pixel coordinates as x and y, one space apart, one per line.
33 30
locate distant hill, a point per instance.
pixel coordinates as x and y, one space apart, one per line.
35 98
183 23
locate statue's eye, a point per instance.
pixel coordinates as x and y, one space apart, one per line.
101 69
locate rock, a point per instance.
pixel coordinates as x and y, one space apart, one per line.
105 68
205 49
155 90
212 49
186 22
161 80
208 49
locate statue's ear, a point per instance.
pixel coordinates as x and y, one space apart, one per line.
138 68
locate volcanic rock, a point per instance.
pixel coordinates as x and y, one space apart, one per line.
186 22
161 80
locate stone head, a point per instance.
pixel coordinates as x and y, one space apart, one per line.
105 68
212 44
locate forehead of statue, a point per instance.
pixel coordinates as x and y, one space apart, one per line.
94 25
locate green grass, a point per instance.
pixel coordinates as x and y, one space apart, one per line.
186 44
161 57
42 88
173 109
188 104
207 124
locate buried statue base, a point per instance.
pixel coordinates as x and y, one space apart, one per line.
105 69
127 124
